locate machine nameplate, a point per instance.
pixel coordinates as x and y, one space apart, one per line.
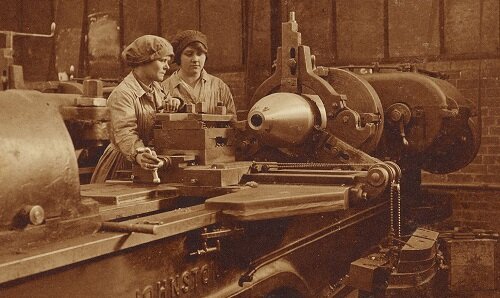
187 283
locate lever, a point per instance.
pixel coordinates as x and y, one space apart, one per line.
402 132
9 35
156 178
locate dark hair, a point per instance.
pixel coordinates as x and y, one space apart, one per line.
198 46
184 38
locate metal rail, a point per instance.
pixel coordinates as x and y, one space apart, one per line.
15 266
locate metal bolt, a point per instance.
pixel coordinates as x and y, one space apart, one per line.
34 214
395 115
375 177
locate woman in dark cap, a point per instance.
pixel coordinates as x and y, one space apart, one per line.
191 82
133 104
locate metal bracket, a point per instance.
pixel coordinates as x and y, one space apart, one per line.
215 234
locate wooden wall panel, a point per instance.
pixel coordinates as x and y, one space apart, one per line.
104 39
179 15
10 19
68 17
462 18
221 21
315 20
139 18
360 28
491 27
413 28
37 53
111 7
258 51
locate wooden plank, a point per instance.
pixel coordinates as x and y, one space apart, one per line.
224 32
413 28
68 38
360 27
178 15
315 20
462 33
37 53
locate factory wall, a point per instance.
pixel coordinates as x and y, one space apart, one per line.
90 34
457 37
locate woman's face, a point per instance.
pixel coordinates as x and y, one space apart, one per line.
155 70
192 60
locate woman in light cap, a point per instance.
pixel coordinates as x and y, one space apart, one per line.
191 82
133 105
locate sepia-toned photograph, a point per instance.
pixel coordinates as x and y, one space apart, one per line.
249 148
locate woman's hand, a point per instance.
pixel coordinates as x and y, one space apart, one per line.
172 104
147 159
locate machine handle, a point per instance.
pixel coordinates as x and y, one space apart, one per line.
129 228
156 178
9 35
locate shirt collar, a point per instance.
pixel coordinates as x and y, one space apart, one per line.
134 84
176 78
147 89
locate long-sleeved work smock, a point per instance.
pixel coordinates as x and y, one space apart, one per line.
132 111
211 91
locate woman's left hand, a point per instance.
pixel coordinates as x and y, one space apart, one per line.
172 104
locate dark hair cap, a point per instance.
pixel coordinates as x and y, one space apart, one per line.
145 49
184 38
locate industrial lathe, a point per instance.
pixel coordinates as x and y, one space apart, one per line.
301 199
